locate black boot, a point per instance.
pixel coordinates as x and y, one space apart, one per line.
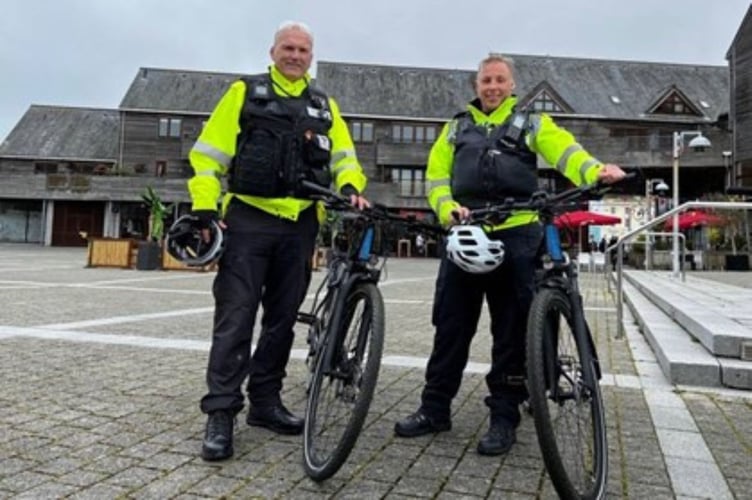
419 424
218 436
276 418
499 438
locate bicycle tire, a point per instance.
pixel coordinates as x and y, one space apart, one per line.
575 455
337 406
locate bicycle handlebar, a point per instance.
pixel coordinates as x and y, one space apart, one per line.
542 200
337 201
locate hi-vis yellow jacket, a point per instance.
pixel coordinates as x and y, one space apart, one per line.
557 146
214 150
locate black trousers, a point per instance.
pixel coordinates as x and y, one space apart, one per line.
458 302
266 262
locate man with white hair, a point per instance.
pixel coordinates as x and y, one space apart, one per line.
267 133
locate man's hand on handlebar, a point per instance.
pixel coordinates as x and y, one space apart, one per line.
460 214
359 202
611 173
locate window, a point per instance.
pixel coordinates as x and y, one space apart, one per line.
675 105
544 102
45 168
169 127
361 131
413 133
409 181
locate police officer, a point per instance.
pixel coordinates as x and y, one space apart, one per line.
267 133
485 155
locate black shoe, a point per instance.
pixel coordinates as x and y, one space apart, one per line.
419 424
276 418
498 440
218 436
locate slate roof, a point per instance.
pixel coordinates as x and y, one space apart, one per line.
156 89
58 132
585 84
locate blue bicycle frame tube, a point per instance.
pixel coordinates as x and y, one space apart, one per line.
553 243
365 245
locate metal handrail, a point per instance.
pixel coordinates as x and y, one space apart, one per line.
619 245
646 243
682 238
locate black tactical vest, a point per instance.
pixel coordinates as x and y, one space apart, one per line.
282 140
492 164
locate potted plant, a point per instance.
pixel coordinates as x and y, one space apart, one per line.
150 251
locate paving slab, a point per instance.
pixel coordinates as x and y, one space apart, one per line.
100 391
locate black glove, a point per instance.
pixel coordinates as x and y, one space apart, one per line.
204 218
348 190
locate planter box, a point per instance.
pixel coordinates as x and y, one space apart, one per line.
149 256
110 252
739 262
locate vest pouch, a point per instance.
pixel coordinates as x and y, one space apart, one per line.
512 175
316 156
256 167
316 149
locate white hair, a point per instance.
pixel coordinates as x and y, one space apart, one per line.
292 25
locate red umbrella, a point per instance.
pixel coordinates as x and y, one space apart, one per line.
581 218
694 218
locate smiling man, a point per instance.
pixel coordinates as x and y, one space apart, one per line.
267 133
483 156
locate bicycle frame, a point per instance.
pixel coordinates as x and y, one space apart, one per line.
347 270
558 271
356 260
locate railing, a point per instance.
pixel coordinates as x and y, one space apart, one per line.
649 251
619 245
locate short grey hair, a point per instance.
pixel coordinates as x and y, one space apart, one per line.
497 57
292 25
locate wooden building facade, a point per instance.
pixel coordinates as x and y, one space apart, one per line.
739 58
623 112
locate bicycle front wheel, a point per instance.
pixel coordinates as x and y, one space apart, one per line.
341 394
568 412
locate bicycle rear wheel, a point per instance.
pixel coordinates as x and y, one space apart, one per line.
568 414
339 398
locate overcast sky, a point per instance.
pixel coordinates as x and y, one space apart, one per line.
87 52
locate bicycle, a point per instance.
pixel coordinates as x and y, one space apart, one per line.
345 335
563 371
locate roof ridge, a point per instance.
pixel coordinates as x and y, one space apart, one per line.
65 106
193 71
529 57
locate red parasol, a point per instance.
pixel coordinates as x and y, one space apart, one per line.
581 218
694 218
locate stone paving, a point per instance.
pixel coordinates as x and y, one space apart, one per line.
102 370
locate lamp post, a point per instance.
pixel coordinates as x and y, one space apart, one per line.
730 177
657 186
652 186
699 143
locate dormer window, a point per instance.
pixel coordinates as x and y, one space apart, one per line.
675 102
545 103
674 105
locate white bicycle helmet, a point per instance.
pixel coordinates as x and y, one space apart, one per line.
186 244
470 248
